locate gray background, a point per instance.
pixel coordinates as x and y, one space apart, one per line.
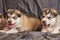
29 6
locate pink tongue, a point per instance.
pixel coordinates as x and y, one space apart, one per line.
10 26
46 26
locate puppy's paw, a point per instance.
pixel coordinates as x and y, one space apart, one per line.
43 31
55 32
12 31
2 31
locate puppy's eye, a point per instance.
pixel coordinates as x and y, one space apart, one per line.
49 17
0 16
14 18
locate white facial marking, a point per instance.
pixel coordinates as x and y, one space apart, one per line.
53 21
50 21
16 21
46 20
48 15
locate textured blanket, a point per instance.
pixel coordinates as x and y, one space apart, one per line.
30 36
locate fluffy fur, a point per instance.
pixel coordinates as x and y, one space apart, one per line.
19 22
50 21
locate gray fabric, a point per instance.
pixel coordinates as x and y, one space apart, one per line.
30 36
30 7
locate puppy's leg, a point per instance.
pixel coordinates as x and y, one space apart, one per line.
6 29
12 31
44 30
2 31
56 30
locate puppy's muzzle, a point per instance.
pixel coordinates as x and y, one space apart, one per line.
9 21
44 22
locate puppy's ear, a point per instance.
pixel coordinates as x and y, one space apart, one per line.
10 11
45 11
18 15
54 12
17 12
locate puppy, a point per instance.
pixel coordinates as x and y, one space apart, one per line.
50 21
19 22
3 22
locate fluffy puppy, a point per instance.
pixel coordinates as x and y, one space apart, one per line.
51 21
19 22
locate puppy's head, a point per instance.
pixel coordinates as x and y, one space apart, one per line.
13 18
49 17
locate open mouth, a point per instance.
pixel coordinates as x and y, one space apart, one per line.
10 25
46 26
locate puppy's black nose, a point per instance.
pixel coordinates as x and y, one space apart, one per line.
9 21
44 22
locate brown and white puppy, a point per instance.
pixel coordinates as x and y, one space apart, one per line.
3 22
18 22
50 21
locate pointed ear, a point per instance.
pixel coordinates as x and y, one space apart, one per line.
18 12
45 9
18 15
10 11
54 12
